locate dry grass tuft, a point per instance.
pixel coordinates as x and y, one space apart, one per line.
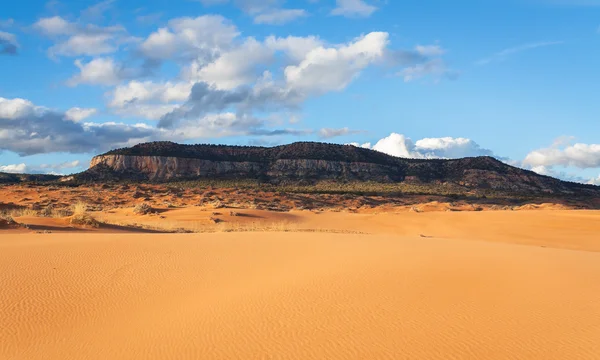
13 213
217 204
79 208
84 220
47 211
142 209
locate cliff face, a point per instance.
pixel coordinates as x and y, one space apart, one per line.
163 168
165 161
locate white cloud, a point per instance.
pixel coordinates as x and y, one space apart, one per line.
578 155
11 109
233 68
230 82
279 16
295 47
595 181
332 69
147 99
85 44
203 37
53 169
99 71
428 148
436 68
77 39
448 147
148 91
328 133
13 168
353 8
55 26
430 50
397 145
29 129
62 166
541 169
8 43
263 11
77 114
364 146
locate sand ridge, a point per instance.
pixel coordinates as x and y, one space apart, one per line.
566 229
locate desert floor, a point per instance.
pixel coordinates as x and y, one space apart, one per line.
304 285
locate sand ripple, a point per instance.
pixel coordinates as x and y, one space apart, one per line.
294 296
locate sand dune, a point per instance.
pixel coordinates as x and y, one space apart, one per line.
294 296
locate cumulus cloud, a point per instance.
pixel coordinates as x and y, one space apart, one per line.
102 71
77 39
315 70
227 85
269 75
263 11
578 155
14 168
436 68
147 99
233 68
325 69
353 8
430 50
560 174
55 169
279 16
328 133
428 148
203 37
78 114
448 147
28 129
62 166
8 43
295 48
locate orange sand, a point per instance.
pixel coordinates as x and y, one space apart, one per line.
446 285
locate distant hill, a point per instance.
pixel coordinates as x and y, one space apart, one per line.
312 161
8 178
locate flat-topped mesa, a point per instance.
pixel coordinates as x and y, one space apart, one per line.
163 168
166 161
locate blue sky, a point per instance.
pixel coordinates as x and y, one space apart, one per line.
429 78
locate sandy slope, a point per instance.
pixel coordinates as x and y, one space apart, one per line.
294 296
568 229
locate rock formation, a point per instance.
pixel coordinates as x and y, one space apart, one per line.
307 161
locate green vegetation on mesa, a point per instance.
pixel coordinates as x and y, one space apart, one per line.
295 151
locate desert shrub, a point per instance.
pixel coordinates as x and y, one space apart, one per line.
218 204
142 209
21 212
47 211
84 220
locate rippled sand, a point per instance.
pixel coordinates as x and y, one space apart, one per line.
296 296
